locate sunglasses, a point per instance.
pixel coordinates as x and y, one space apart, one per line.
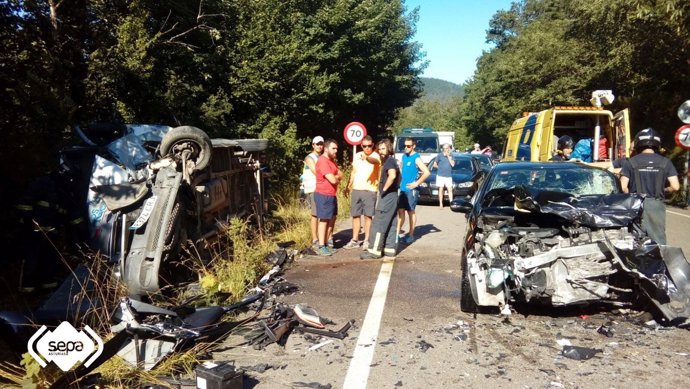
367 146
408 146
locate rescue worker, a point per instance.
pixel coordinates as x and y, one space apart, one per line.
565 148
45 217
648 173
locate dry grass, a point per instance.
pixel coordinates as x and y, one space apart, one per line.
238 262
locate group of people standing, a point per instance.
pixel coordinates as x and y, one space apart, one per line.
646 172
381 193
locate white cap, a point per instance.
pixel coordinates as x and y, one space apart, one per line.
317 139
476 145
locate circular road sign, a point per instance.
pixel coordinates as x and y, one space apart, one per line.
683 137
354 133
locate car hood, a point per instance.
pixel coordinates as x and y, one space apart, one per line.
600 211
458 176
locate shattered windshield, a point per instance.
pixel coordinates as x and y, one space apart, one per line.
575 180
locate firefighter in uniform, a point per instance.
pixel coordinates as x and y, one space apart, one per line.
45 219
648 173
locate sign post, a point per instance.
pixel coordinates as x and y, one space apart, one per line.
354 133
683 141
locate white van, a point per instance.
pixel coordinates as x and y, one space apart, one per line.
427 141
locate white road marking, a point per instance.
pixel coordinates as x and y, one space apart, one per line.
358 372
676 213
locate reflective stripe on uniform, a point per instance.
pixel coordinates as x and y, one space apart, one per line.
77 220
24 207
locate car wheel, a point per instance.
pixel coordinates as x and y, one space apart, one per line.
188 139
467 303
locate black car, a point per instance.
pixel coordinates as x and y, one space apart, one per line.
466 174
485 162
563 233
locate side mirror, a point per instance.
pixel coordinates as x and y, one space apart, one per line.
460 204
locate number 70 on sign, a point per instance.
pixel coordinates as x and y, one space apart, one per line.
354 133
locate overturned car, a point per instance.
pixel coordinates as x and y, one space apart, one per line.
148 190
563 234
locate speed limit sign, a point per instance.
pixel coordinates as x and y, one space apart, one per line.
354 133
683 137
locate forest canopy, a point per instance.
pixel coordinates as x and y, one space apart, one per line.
282 70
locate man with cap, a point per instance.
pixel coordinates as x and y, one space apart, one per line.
477 149
309 183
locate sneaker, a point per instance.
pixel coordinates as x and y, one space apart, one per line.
365 245
351 244
408 239
368 255
332 250
330 243
324 251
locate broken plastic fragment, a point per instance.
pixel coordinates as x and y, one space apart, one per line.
579 353
605 330
308 316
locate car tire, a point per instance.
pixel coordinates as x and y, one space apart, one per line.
192 136
467 303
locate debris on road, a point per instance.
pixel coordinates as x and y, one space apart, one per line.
423 346
606 331
579 353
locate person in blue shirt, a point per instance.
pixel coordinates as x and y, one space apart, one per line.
444 162
410 169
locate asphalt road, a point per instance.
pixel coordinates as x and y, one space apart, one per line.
412 334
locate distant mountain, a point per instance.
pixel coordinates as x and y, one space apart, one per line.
440 90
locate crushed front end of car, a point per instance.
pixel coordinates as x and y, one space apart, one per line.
556 249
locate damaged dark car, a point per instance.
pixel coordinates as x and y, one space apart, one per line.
564 234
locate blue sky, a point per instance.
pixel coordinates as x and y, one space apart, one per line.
452 33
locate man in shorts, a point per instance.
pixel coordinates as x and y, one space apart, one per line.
328 175
412 164
363 183
309 183
444 163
